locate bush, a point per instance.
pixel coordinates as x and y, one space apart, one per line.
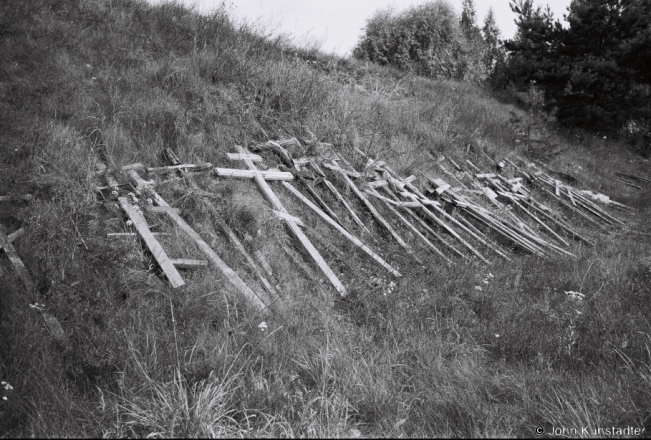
426 39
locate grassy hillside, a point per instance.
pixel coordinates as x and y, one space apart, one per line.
428 354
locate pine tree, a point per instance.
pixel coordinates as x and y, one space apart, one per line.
594 72
494 57
468 17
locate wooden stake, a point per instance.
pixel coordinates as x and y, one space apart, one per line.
426 226
23 198
338 227
472 234
341 198
311 250
375 213
50 320
153 245
560 224
414 230
239 246
301 264
627 183
185 167
441 223
249 174
229 273
537 220
186 263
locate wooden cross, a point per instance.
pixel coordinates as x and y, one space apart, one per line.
291 224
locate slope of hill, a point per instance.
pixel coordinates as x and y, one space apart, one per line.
461 349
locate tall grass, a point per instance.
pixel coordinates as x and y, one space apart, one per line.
429 355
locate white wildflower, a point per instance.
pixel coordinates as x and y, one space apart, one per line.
497 335
485 281
262 326
129 223
478 288
4 397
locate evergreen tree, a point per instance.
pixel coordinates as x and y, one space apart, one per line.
593 73
494 57
469 18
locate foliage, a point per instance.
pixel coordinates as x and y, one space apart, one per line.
592 71
425 355
427 39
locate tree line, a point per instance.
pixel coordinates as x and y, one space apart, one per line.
593 70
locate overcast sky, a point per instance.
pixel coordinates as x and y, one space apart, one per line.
338 24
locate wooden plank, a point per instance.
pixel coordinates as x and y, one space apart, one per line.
23 198
472 234
560 224
152 244
428 243
278 148
17 263
377 183
298 233
249 174
557 189
239 246
188 263
131 234
537 220
473 166
631 176
454 164
572 208
445 226
569 193
502 229
301 264
263 262
448 173
229 273
250 156
344 202
319 200
16 234
375 213
343 231
425 226
339 197
410 179
627 183
161 209
353 174
492 245
289 218
140 182
186 167
50 320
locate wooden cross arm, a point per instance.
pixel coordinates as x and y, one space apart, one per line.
250 174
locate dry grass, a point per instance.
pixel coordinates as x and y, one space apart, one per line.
429 355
